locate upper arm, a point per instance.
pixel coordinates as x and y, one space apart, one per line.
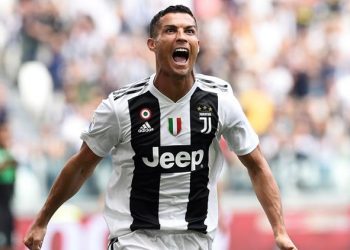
237 131
86 160
87 155
254 161
104 130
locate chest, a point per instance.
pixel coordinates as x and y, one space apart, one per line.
191 122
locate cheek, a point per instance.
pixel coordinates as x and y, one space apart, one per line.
163 53
195 55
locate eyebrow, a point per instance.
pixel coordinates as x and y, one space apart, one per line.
175 26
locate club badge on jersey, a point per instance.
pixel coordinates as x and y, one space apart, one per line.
205 113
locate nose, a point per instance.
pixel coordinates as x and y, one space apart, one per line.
181 35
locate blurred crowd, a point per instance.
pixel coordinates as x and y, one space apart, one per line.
288 62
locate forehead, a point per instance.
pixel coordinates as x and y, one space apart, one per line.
177 19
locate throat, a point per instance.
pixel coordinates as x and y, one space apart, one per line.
173 88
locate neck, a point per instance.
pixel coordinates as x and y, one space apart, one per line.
174 87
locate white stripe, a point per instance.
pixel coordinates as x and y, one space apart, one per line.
173 200
147 125
179 110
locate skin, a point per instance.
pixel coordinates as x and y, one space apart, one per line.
173 79
268 194
76 171
175 30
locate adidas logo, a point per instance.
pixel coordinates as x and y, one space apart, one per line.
145 128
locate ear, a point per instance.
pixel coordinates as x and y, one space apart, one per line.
151 43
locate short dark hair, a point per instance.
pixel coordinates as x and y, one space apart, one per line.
171 9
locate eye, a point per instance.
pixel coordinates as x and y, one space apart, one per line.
191 31
170 30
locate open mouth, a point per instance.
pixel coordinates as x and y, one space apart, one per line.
181 55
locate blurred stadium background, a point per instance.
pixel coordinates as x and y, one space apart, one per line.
288 62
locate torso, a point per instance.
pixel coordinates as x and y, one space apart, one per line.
167 158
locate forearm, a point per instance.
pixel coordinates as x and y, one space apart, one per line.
69 181
268 194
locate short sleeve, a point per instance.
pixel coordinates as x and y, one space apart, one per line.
103 132
238 132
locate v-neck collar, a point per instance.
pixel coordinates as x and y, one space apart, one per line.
166 99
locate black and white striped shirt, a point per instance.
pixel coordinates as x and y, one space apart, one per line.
166 155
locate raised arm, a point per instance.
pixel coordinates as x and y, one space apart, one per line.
76 171
268 194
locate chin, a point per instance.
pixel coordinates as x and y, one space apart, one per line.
182 73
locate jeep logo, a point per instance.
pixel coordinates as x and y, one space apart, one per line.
167 159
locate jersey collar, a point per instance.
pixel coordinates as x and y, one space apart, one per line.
163 98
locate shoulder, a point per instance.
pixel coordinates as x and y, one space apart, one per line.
222 88
214 84
117 101
130 90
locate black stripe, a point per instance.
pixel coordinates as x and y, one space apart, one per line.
144 197
127 93
212 84
111 243
197 207
129 89
206 80
132 86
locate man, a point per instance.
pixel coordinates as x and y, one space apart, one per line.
163 133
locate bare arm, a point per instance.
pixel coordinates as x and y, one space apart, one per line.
268 194
76 171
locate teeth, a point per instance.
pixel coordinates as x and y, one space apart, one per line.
181 50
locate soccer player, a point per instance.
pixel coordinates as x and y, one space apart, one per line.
163 133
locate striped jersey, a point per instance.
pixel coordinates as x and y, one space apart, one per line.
165 154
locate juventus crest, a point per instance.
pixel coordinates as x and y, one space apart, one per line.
205 114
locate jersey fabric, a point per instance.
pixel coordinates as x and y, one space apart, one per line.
166 155
162 240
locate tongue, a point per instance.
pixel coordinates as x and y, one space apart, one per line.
180 59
